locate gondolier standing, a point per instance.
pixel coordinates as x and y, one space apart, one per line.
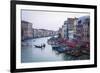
44 45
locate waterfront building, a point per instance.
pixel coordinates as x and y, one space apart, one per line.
60 33
26 30
86 29
70 22
65 30
38 33
75 24
83 29
68 28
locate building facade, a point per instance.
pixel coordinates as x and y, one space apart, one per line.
67 30
38 33
26 30
83 29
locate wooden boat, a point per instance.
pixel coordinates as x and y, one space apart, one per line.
38 46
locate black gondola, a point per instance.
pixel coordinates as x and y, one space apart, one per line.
42 46
38 46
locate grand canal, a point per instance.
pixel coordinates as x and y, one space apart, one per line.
29 53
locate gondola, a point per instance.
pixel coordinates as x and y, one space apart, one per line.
38 46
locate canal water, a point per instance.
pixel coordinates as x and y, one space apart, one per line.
29 53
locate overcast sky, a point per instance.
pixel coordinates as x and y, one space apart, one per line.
48 20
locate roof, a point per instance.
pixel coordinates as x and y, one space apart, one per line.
82 20
23 21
